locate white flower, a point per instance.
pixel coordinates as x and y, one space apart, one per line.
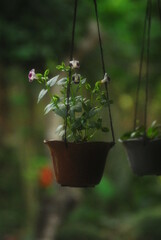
74 64
76 78
106 79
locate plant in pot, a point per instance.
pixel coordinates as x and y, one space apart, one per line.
143 145
77 160
144 149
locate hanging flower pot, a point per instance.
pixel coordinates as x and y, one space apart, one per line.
78 164
77 161
143 145
144 149
144 156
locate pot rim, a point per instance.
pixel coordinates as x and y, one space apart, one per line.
78 143
140 140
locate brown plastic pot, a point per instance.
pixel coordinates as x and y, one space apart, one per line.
144 156
79 164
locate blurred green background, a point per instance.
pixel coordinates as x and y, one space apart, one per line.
37 34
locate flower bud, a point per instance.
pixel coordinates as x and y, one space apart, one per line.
76 78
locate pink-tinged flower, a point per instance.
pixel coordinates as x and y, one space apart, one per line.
74 64
106 79
32 75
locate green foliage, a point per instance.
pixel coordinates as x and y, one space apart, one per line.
154 131
149 228
12 197
105 190
37 31
79 232
83 119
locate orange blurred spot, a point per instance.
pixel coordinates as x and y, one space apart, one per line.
46 177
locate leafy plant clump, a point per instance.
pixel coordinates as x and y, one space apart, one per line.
84 115
154 131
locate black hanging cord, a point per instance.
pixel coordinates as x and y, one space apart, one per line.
73 30
159 9
140 67
147 63
71 58
146 39
99 36
104 71
103 66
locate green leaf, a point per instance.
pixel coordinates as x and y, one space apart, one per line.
79 98
77 107
61 133
125 136
63 68
59 128
48 108
137 133
105 129
39 75
93 112
52 81
152 132
60 113
61 110
83 81
86 105
56 100
76 125
99 123
42 94
153 123
62 81
46 73
88 86
59 67
96 87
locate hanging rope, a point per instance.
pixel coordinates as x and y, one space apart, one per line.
147 64
104 71
140 67
71 58
103 66
99 36
159 9
147 27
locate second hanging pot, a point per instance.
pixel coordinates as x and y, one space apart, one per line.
144 156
